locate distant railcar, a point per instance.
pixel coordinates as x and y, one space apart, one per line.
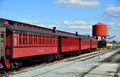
94 44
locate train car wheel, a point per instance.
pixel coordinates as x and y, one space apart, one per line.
15 65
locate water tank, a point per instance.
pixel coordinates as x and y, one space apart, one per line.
99 29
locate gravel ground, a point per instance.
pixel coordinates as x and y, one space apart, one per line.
110 67
76 68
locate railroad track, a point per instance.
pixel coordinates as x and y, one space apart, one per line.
87 56
67 61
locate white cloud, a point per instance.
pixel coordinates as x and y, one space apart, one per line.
113 26
78 24
81 27
77 3
112 12
51 26
66 22
56 23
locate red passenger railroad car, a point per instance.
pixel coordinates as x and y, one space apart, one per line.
69 44
85 44
94 44
20 41
31 44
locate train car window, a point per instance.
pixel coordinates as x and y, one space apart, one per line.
28 40
50 40
46 40
42 40
2 35
23 39
19 39
53 41
36 40
39 40
32 39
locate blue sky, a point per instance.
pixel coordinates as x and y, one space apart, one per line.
66 15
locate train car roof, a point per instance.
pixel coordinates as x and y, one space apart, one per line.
14 28
3 19
17 28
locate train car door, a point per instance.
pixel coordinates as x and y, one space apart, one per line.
2 42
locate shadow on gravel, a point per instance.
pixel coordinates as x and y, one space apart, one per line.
115 58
